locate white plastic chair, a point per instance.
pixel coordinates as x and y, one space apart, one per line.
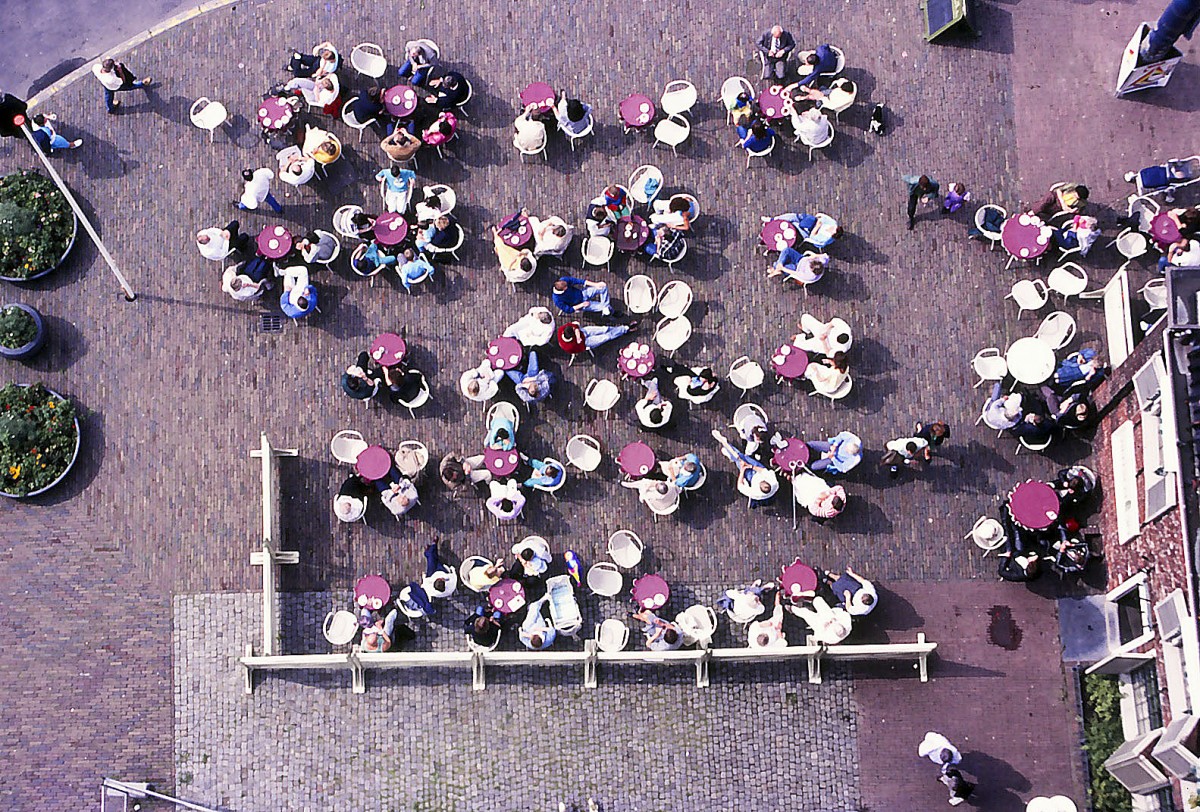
674 299
601 395
553 489
597 250
353 123
670 263
469 563
419 399
731 88
358 515
638 180
640 293
699 483
340 627
346 446
1131 244
698 624
1057 330
208 115
605 579
990 365
671 334
612 635
744 412
517 273
672 131
541 150
367 58
841 61
470 94
504 411
668 510
842 94
337 246
980 213
411 458
342 218
764 153
988 534
586 131
583 451
746 374
678 97
1029 445
1029 294
625 548
1154 293
814 145
445 195
836 394
1068 280
1145 209
453 249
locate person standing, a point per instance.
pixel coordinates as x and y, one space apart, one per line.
257 190
115 77
776 46
938 749
919 187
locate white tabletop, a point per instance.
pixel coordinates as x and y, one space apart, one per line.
1030 360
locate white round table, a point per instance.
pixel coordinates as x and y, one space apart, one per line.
1030 360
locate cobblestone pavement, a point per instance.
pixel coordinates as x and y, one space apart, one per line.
177 386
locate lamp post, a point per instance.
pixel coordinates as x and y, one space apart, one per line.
1151 56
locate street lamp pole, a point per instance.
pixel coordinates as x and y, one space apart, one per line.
1151 56
87 226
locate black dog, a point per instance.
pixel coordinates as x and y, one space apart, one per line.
878 119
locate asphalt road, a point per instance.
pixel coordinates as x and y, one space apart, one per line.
48 39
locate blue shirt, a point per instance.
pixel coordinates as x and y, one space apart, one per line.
290 310
400 184
752 143
414 269
572 297
685 479
841 460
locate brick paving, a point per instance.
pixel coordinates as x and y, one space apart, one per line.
165 502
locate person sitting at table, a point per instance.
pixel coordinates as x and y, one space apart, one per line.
812 126
403 384
447 90
514 262
830 625
363 225
316 248
532 385
744 603
768 633
322 60
483 627
481 383
418 61
661 635
598 220
546 474
551 236
694 384
399 496
441 130
317 93
535 631
574 338
401 145
683 471
828 374
741 108
529 134
572 295
443 233
1068 197
415 268
440 579
217 243
823 338
299 297
754 480
481 576
758 137
573 116
1081 371
617 201
1071 413
1184 253
775 47
675 213
430 207
359 381
240 287
804 269
502 434
378 636
1002 413
1079 232
1034 428
534 329
351 501
657 495
840 454
818 497
397 187
531 558
666 242
752 429
506 501
369 257
1074 484
822 59
320 145
295 168
367 105
817 230
1020 568
653 410
854 593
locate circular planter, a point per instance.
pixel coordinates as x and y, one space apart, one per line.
70 463
66 252
39 340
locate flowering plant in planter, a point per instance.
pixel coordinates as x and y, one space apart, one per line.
17 328
39 438
36 225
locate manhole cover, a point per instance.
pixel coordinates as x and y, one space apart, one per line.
270 323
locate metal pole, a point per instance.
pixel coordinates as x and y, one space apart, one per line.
87 226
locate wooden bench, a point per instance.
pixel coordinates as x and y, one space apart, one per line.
270 556
883 651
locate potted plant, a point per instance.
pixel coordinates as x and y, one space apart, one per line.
37 226
22 331
39 439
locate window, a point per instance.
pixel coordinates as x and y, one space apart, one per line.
1131 613
1147 705
1124 470
1160 460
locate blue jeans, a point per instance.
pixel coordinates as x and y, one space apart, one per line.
269 200
596 299
516 376
789 258
1163 262
389 623
418 74
56 140
594 336
433 564
110 99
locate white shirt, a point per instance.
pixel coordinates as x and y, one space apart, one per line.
217 247
648 493
530 330
249 289
295 282
110 80
488 378
812 129
531 135
391 498
1188 257
291 156
932 746
545 242
257 188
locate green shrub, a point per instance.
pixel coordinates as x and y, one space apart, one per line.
17 328
37 437
1102 734
36 224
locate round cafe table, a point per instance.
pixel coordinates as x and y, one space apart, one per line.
373 463
390 228
400 101
274 114
372 592
1033 505
1030 360
636 360
770 102
388 349
517 236
792 455
1164 229
500 463
505 353
636 459
637 110
632 233
274 242
651 592
538 93
789 362
798 580
507 596
777 235
1022 236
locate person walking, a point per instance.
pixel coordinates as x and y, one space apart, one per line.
115 77
938 749
919 187
257 190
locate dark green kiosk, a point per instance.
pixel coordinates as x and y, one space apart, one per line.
944 16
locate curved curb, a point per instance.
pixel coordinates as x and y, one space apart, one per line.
171 22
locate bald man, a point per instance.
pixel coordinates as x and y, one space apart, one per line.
776 46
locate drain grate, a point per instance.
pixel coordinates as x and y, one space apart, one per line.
270 323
